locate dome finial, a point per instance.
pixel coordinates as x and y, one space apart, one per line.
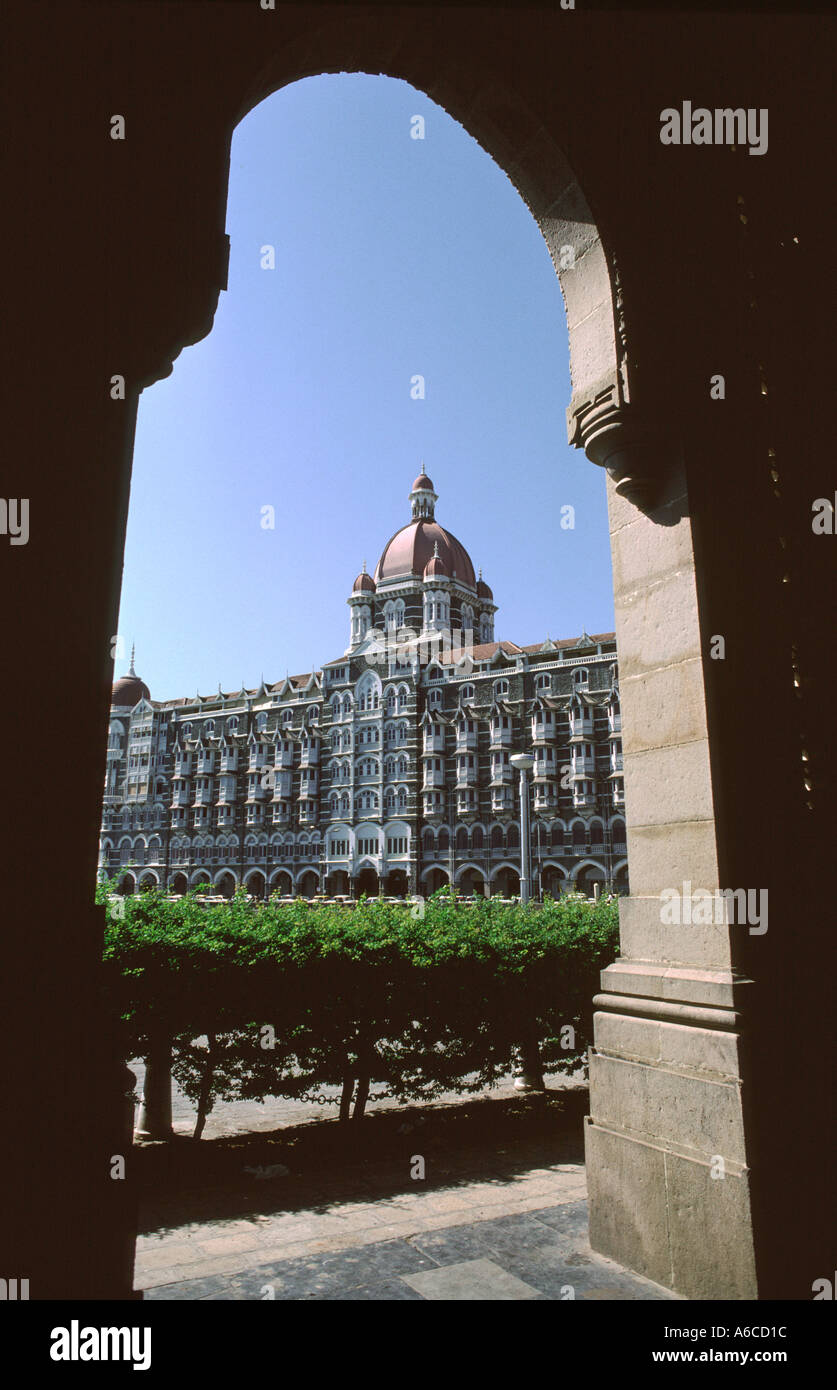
435 550
131 671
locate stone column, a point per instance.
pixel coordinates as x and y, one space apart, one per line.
667 1162
154 1118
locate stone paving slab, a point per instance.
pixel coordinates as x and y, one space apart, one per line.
539 1255
224 1247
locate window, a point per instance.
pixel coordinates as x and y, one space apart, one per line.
396 844
287 716
543 683
232 724
580 676
261 723
501 688
466 693
434 699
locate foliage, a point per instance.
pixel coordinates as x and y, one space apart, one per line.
413 1000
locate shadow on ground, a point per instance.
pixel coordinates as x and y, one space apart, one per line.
485 1140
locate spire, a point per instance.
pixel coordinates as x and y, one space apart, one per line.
131 671
435 550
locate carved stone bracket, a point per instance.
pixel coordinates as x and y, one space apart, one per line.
615 437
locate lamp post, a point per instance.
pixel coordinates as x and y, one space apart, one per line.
524 762
528 1075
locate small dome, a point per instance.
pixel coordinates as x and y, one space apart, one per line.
129 690
364 582
423 483
436 565
483 589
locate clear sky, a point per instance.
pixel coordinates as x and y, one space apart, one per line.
393 257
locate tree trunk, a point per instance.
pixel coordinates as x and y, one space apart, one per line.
365 1061
346 1098
205 1093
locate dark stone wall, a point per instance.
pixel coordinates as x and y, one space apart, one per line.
115 258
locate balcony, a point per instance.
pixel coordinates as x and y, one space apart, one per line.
618 794
229 761
614 723
225 816
281 813
466 742
466 776
583 799
544 768
205 764
308 812
583 767
545 798
256 761
433 777
615 764
182 797
282 785
501 775
501 799
309 754
434 743
581 728
434 810
543 730
203 796
255 815
284 755
498 736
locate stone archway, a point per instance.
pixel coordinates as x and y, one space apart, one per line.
553 881
367 882
225 884
308 884
178 883
395 884
338 884
282 884
471 882
505 882
434 879
147 882
127 885
255 884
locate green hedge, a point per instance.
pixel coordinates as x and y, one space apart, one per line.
412 1000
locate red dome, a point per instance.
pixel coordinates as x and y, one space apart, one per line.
423 483
411 549
129 690
364 583
483 589
436 565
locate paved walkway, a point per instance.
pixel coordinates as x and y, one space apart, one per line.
496 1217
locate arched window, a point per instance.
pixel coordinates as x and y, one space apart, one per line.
501 687
514 837
596 833
477 838
466 694
428 841
557 836
543 682
434 699
462 839
498 839
580 676
444 839
579 833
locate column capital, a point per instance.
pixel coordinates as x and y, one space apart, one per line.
616 436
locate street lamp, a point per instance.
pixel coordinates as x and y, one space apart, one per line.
524 762
528 1075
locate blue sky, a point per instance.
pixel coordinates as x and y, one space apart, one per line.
393 257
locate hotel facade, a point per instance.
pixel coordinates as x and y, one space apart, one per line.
388 770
